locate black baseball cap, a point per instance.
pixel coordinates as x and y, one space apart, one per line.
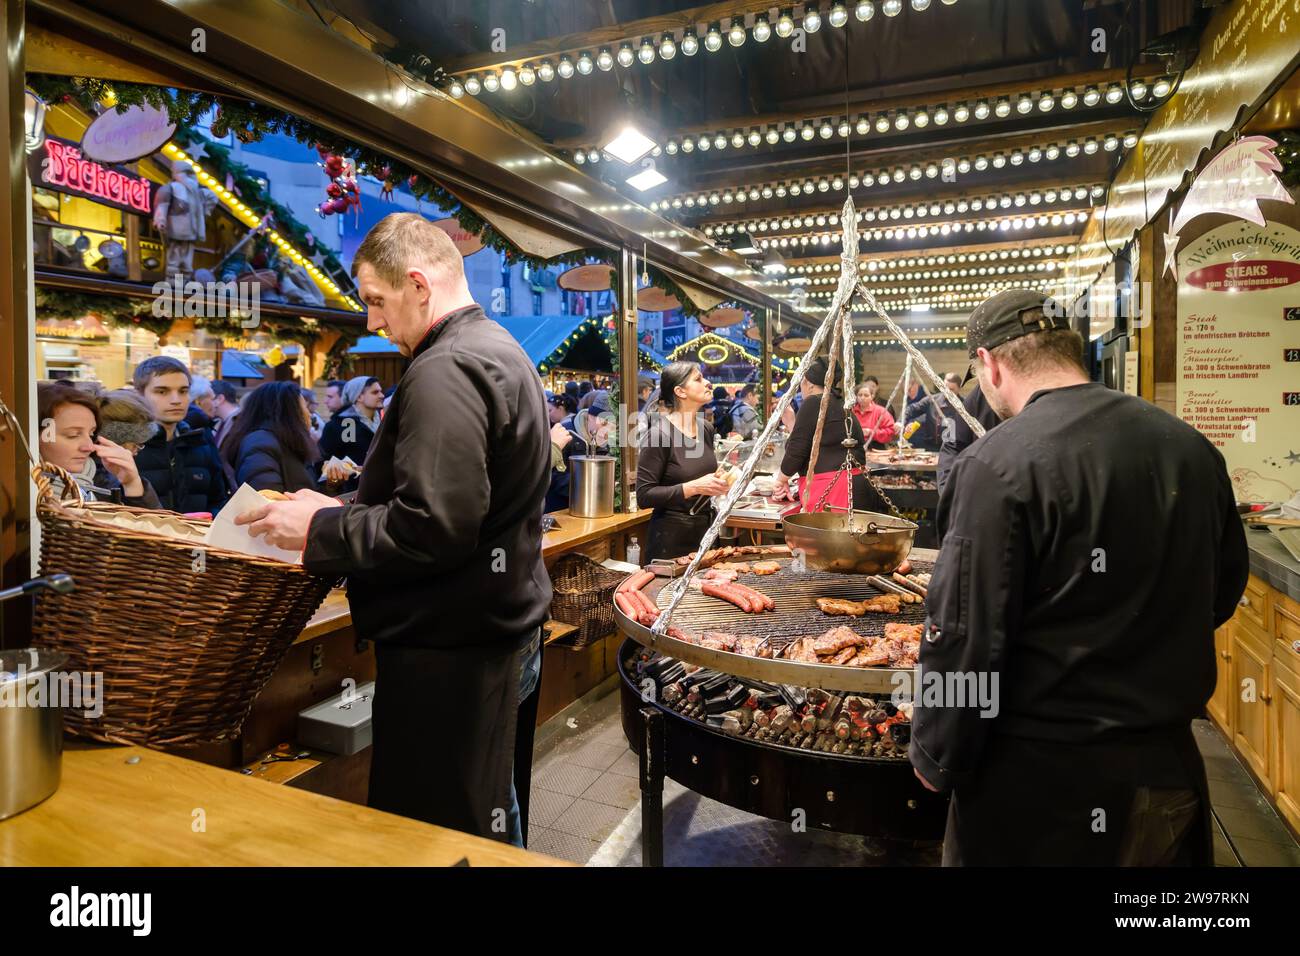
1008 315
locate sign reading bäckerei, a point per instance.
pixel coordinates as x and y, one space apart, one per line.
59 165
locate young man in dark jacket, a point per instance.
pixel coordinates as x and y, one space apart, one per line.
181 463
442 548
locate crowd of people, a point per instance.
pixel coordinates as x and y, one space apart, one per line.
177 441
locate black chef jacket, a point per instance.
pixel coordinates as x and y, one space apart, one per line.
443 546
1090 548
957 435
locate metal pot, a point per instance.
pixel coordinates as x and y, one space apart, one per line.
591 486
865 543
31 737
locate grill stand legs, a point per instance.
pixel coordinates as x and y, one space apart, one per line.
652 787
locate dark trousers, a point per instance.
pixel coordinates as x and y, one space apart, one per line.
444 734
674 533
1141 801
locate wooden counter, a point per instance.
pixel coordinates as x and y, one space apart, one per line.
573 532
111 812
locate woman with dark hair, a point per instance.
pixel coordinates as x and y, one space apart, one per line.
677 466
68 420
828 491
270 445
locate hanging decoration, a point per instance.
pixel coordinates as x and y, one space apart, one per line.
118 311
342 193
729 350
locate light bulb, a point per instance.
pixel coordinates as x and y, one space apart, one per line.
941 116
688 145
703 144
690 42
1053 151
1069 99
585 64
825 131
593 156
982 110
1130 140
892 8
755 137
865 10
1003 109
473 86
719 142
527 75
671 147
807 132
509 79
1139 90
962 113
579 158
713 39
1090 146
1072 149
882 123
788 134
844 129
784 24
565 69
922 119
1047 101
626 57
901 121
1091 96
1162 87
762 29
646 54
772 135
491 82
737 139
839 15
667 48
812 20
1112 143
736 33
456 89
1114 93
919 5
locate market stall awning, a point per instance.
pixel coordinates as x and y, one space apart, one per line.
542 335
240 365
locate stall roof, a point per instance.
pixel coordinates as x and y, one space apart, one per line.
240 365
370 344
540 335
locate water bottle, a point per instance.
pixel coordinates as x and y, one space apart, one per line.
633 552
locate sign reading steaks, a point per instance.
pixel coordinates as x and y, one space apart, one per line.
1250 275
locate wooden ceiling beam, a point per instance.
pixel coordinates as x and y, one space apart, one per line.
608 36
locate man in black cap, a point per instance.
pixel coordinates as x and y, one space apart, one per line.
1090 548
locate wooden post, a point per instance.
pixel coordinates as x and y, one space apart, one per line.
765 399
625 324
15 327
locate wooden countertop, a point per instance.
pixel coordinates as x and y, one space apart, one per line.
109 812
575 532
334 614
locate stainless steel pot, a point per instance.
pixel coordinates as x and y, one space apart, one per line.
31 737
868 543
591 486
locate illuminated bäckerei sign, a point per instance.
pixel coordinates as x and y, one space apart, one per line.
59 165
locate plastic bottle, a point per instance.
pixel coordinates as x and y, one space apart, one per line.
633 552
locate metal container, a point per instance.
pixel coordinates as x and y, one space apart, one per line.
866 542
591 486
31 737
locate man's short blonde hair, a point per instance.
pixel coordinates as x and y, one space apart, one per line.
405 240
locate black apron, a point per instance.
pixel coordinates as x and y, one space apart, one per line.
674 533
1048 803
444 734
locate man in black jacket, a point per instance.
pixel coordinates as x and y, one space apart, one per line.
442 548
1090 548
957 435
180 462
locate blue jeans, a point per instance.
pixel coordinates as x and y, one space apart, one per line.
530 668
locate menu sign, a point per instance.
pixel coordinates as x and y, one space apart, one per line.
59 165
1239 352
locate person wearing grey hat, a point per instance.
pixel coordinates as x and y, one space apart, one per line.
1090 547
349 433
126 419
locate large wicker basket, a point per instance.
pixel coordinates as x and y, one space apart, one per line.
584 596
185 636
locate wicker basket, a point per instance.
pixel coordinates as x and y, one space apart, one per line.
186 636
584 596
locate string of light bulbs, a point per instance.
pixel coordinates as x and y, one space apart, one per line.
252 220
947 167
899 120
709 37
1017 224
1002 201
904 261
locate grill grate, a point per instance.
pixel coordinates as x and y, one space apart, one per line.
796 614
